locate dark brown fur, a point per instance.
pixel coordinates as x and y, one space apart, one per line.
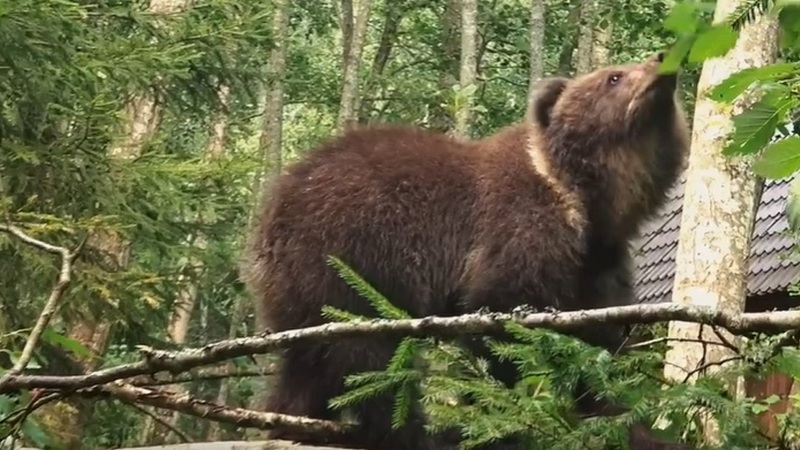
539 213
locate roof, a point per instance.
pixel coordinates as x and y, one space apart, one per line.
769 268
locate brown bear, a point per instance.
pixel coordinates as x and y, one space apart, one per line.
540 213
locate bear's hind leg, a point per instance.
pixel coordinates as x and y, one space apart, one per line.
303 387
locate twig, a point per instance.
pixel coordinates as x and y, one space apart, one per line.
708 365
181 435
56 293
724 339
207 410
176 362
669 339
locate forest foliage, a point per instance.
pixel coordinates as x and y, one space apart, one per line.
69 69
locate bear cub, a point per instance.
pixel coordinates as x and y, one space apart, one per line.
539 213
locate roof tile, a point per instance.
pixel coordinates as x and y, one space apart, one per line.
769 268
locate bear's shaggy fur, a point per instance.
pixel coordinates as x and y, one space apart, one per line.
539 213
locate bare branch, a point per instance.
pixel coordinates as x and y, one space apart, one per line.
56 293
661 340
487 323
202 375
33 242
208 410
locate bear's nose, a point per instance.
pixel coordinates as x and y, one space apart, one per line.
660 56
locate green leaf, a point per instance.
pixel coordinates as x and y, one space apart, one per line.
55 338
755 126
758 408
31 430
780 159
793 213
789 20
672 62
682 19
712 42
727 90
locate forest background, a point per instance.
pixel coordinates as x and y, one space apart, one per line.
135 137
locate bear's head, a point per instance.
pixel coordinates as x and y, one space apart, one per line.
618 135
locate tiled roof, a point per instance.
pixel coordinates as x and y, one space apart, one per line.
769 270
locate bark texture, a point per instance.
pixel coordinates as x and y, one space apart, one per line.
719 207
469 65
583 56
348 106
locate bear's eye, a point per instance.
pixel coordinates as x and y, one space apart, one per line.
614 78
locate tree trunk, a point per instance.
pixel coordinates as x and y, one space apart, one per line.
602 41
440 119
347 31
270 142
719 207
570 40
142 115
537 27
468 75
583 57
393 16
187 295
271 129
348 107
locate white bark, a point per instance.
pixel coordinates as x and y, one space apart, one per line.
469 65
583 63
719 207
349 100
537 27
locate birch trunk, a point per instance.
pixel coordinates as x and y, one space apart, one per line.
583 57
439 118
719 208
187 295
536 33
468 70
348 106
270 143
142 116
565 59
602 41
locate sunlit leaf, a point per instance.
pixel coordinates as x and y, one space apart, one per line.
712 42
755 126
780 159
672 62
731 87
682 18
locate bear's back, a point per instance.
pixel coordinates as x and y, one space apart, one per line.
405 209
393 203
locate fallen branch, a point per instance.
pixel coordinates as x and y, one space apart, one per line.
56 293
202 375
241 417
479 323
229 445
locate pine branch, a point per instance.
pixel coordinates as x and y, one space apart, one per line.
747 12
155 361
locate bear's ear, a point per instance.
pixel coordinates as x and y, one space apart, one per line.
545 95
